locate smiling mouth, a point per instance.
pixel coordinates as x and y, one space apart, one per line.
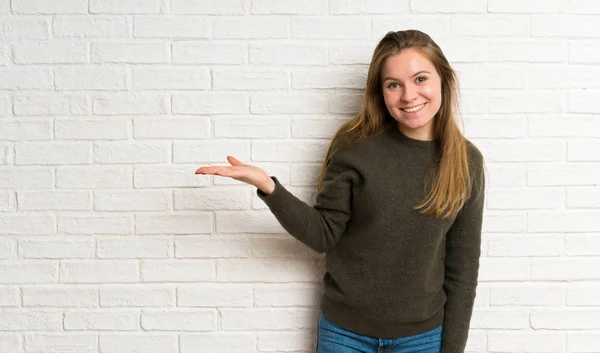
413 109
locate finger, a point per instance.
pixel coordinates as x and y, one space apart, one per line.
234 161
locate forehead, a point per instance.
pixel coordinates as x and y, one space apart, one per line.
406 63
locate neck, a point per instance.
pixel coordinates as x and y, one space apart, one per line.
424 133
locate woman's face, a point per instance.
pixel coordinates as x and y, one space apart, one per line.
412 91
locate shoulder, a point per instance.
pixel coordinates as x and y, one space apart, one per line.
476 164
474 155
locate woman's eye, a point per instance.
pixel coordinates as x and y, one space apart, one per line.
390 85
421 77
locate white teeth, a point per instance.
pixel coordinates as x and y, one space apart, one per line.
413 109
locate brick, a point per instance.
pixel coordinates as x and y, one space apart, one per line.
534 6
565 319
102 320
288 103
583 101
125 6
267 319
92 225
519 51
168 176
564 26
287 7
54 200
25 28
287 54
334 27
329 78
28 272
583 294
215 295
136 295
50 52
93 78
93 177
132 53
564 269
251 27
563 174
9 342
216 342
135 342
525 198
28 320
491 25
584 52
567 126
250 79
133 248
210 151
351 7
508 318
61 342
132 152
172 128
527 294
99 271
25 78
26 225
137 103
212 199
583 151
92 129
267 270
287 295
526 102
256 127
209 52
210 103
551 342
439 6
165 26
178 223
179 320
177 271
138 200
212 247
60 296
210 7
52 104
23 130
96 26
170 78
27 178
582 244
43 153
525 245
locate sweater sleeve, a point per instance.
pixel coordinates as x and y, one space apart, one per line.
319 226
463 247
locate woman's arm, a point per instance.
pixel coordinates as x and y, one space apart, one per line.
463 247
319 226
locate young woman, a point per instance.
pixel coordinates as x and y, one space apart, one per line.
398 213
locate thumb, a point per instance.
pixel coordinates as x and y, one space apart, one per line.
234 161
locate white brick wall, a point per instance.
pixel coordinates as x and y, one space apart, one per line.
110 244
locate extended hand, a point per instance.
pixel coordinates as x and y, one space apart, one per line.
246 173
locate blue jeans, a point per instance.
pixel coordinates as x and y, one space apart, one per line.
334 339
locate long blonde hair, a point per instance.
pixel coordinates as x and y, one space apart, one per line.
449 182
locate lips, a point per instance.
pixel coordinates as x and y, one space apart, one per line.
413 109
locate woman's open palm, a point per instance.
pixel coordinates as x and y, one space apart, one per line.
239 171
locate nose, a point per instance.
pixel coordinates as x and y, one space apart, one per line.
409 93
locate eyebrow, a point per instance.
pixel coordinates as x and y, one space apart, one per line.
420 72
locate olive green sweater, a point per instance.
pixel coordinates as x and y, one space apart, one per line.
390 270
